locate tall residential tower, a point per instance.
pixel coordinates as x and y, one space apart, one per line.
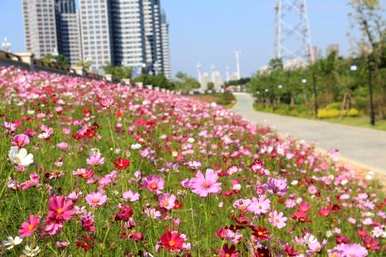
104 32
69 41
40 27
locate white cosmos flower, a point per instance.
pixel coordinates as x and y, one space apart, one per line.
20 157
31 252
11 242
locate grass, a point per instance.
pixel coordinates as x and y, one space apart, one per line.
215 98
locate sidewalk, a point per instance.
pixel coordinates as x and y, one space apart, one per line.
365 147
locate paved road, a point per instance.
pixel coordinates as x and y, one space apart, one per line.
361 145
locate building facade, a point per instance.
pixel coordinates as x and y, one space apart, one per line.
40 27
69 41
103 32
96 34
128 36
165 46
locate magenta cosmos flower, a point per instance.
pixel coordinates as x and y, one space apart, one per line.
29 226
96 199
205 185
20 140
60 209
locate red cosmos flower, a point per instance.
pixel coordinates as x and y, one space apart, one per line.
341 239
302 213
290 251
86 243
262 252
227 251
371 243
119 113
325 211
124 214
121 164
260 233
172 241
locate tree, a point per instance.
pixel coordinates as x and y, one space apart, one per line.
368 15
119 72
186 83
210 86
86 65
156 80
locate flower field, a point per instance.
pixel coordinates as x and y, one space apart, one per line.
90 168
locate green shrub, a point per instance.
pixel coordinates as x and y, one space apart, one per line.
332 106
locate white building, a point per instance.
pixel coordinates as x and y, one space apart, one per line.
96 32
40 27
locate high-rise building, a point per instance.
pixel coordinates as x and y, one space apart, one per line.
103 32
96 33
128 36
40 27
69 41
165 46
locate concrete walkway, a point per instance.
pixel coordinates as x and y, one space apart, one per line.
363 146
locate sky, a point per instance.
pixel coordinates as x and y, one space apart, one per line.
209 31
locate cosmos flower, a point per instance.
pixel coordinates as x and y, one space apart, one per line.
277 219
131 196
205 185
60 209
96 199
172 241
348 250
31 252
154 184
20 140
11 242
29 226
259 205
227 251
20 157
167 201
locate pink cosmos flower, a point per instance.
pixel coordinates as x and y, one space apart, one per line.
259 206
154 184
62 146
32 182
348 250
277 219
29 226
205 185
20 140
46 132
95 159
131 196
88 222
167 201
96 199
